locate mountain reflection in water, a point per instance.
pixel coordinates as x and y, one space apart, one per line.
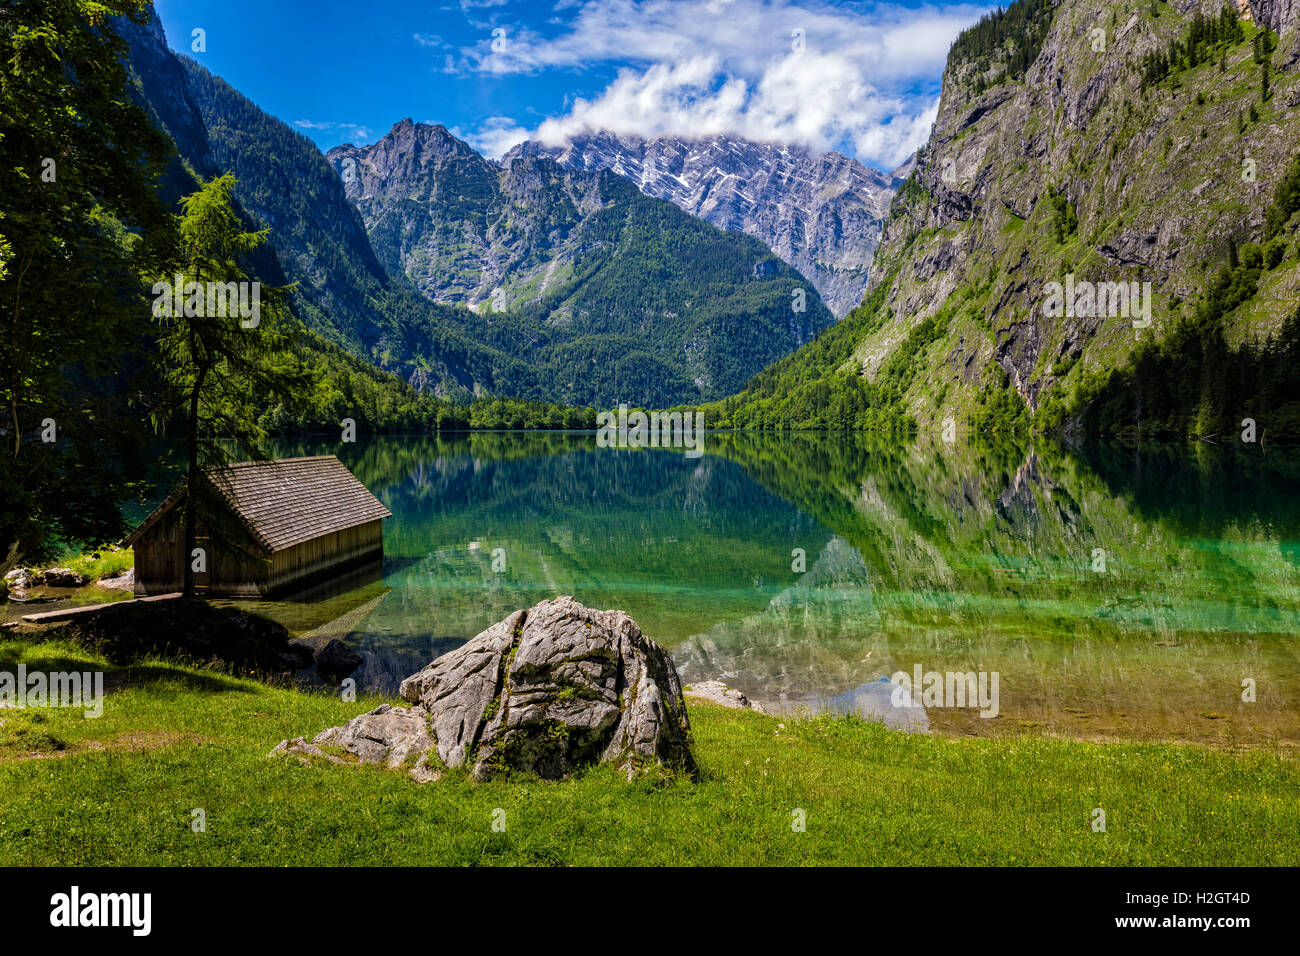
1118 590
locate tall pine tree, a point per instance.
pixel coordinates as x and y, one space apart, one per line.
213 356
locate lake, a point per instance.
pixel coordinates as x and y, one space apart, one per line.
1115 591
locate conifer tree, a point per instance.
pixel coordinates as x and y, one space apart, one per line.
212 364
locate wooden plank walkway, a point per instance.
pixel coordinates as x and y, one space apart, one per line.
68 613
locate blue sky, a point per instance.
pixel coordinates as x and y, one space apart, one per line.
862 78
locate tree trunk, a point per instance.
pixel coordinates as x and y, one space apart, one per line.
192 484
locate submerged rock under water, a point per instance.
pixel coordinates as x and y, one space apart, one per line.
883 701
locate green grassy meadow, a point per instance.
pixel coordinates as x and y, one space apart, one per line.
122 790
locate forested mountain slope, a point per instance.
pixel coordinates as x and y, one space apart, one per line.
602 294
317 240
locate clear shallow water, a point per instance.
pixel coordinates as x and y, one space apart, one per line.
953 558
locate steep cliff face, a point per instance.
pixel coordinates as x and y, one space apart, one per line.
410 168
460 227
166 93
311 220
1080 171
1283 18
821 214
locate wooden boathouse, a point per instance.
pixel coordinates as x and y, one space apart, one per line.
267 527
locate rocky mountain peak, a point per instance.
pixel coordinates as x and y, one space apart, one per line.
822 214
544 252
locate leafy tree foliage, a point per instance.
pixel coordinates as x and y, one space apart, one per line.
1065 221
1286 201
212 359
513 413
78 165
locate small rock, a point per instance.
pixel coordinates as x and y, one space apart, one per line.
63 578
336 661
20 579
120 582
387 735
716 692
422 772
392 736
299 747
295 657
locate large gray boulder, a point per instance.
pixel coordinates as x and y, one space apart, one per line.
547 691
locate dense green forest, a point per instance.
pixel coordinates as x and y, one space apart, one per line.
1013 36
655 278
81 225
814 388
380 403
1205 36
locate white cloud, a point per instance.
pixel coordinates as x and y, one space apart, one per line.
348 132
495 136
814 100
797 72
888 42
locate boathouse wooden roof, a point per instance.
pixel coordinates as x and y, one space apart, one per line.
285 502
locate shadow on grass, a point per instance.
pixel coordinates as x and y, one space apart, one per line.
10 659
194 676
150 672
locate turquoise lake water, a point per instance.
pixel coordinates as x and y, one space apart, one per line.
1115 590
